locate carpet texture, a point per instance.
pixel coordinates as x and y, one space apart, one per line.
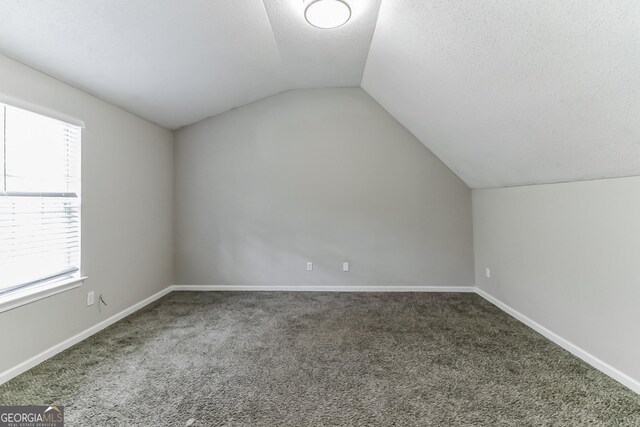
323 359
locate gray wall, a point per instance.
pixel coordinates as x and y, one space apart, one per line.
568 257
322 175
127 183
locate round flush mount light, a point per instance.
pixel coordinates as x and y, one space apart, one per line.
327 13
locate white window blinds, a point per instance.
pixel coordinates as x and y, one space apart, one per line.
39 198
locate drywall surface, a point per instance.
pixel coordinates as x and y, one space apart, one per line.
322 176
127 174
567 256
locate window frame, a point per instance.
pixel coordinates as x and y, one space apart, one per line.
37 289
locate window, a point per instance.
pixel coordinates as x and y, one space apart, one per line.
39 199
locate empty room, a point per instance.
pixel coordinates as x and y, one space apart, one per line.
319 213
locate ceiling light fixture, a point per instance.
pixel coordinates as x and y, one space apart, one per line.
327 13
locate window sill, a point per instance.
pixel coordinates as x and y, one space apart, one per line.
31 294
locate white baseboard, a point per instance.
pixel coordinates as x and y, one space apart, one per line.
341 288
50 352
603 367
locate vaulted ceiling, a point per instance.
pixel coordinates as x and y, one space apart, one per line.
176 62
514 92
505 93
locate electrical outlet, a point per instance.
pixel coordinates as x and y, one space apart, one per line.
487 272
309 266
345 266
90 298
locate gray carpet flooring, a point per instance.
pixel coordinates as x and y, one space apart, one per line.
323 359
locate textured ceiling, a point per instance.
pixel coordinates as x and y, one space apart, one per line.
177 62
312 57
516 92
505 93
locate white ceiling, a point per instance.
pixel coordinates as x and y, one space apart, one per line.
176 62
312 57
514 92
505 93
